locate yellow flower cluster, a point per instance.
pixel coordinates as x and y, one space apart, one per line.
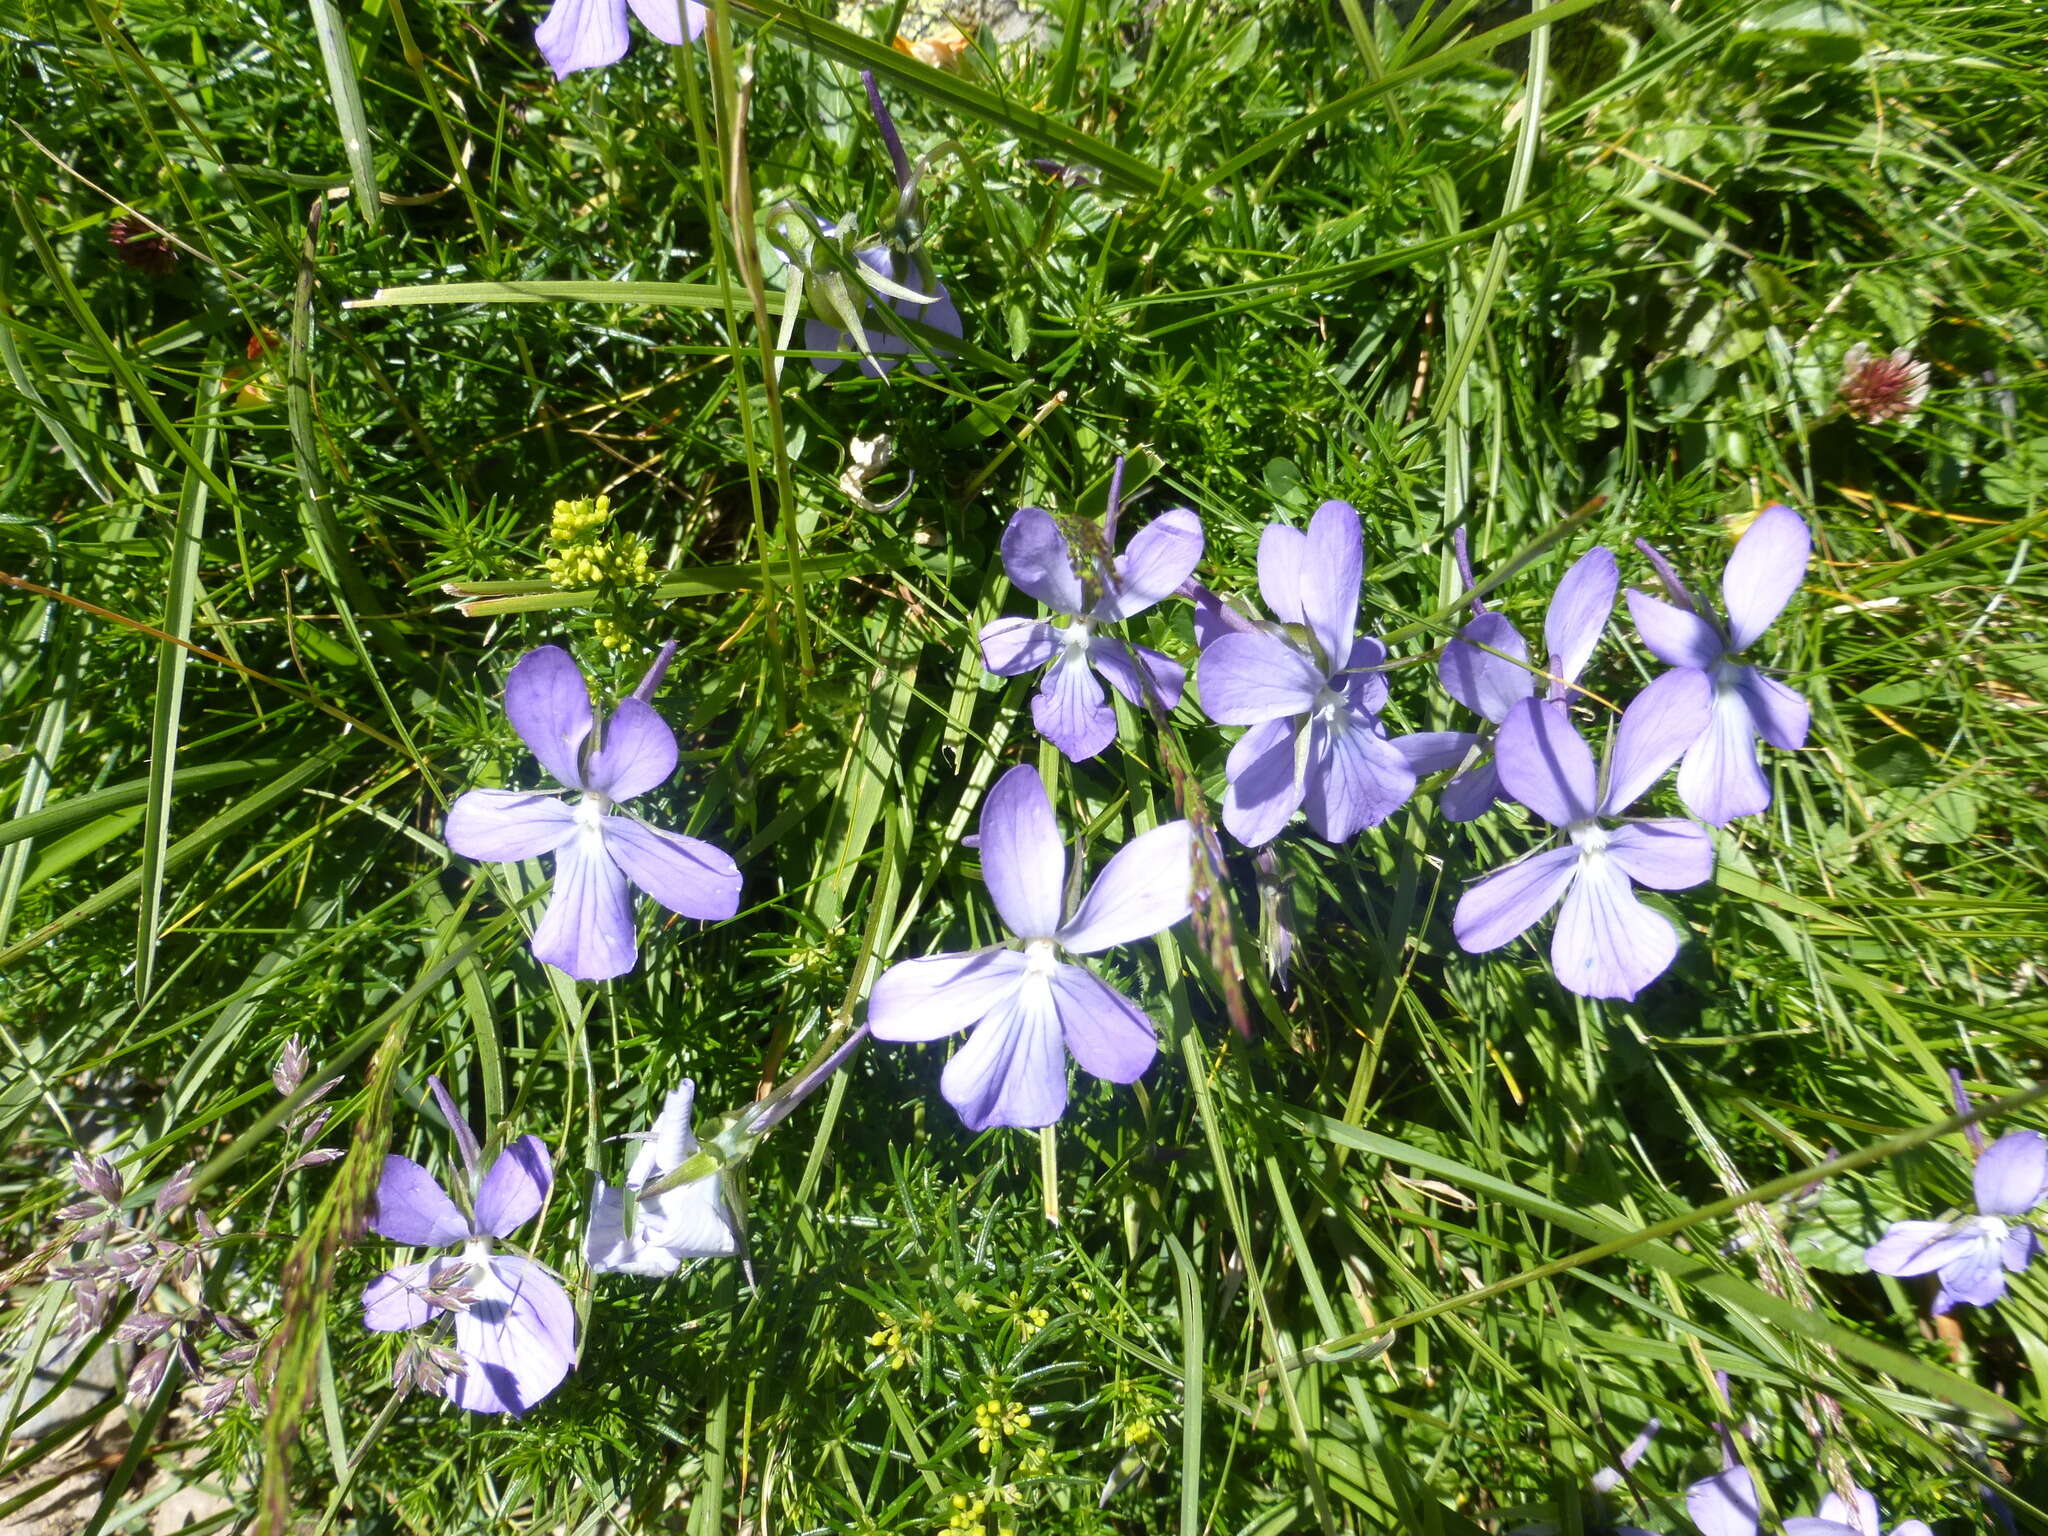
996 1421
1139 1432
970 1518
896 1349
584 557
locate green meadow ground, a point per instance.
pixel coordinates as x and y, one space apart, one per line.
1459 268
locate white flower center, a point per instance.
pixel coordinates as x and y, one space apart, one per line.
1041 957
1589 837
1985 1231
1075 636
1330 705
591 810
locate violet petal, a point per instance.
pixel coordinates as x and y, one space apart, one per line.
685 874
499 825
1022 861
1145 889
549 706
941 994
587 930
412 1208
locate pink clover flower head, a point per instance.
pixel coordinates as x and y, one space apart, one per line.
692 1221
1838 1516
589 34
515 1328
1879 389
1974 1254
1026 1008
1487 670
587 930
1607 943
1070 708
1310 688
1721 778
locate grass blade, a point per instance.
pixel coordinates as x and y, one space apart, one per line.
346 93
171 660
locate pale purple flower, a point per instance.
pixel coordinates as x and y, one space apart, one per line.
1838 1516
1725 1504
1721 778
514 1325
692 1221
1487 669
1310 688
589 34
587 929
1607 943
1070 708
1972 1254
1027 1008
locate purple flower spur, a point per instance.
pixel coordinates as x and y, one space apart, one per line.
1721 778
1607 944
1027 1008
515 1328
589 34
1070 708
1309 687
587 929
1487 669
1973 1254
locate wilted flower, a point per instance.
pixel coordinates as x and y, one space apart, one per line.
587 929
1310 688
514 1325
692 1221
1838 1516
588 34
1080 586
1721 778
1607 943
141 247
906 283
1972 1254
1491 684
1876 389
1028 1008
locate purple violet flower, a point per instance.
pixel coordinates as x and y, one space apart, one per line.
1491 684
589 34
1837 1516
1028 1008
1607 943
1973 1253
1308 685
1726 1503
1721 778
1070 708
587 929
692 1221
514 1325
